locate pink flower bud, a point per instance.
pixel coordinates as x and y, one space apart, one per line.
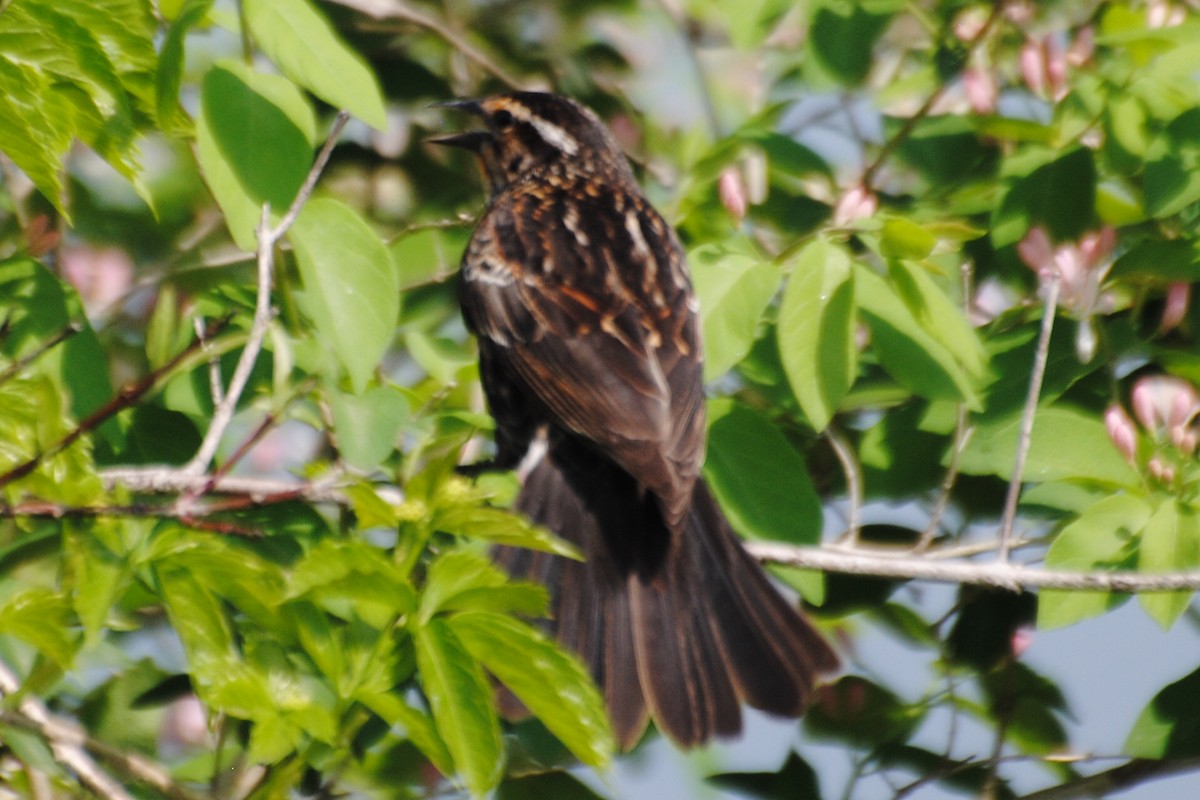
1056 67
855 204
1162 402
1082 47
1036 249
1033 66
732 191
1096 246
1021 640
1121 431
980 88
1160 470
1179 297
1145 404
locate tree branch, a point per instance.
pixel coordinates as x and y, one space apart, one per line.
69 743
1051 282
1000 575
267 239
1132 773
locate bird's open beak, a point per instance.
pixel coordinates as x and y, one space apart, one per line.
467 140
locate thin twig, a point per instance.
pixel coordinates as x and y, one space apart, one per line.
396 9
911 123
24 361
216 389
126 398
66 739
962 435
1102 784
1050 282
854 482
267 238
999 575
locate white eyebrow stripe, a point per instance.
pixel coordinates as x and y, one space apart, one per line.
553 134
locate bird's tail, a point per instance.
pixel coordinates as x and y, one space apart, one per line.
681 628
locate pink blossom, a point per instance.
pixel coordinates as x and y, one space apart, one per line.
1121 431
1163 403
732 191
1044 67
1022 639
980 87
1082 47
1179 297
855 204
1081 266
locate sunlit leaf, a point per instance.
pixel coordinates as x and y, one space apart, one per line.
816 330
461 700
301 41
351 288
555 686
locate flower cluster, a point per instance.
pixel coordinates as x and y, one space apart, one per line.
1168 409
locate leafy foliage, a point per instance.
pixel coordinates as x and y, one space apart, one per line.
877 198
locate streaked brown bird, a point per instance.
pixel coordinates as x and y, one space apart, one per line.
591 360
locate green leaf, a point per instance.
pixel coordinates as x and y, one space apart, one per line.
1160 260
97 62
1169 727
1170 543
38 306
501 527
304 45
97 576
196 615
903 238
1060 195
254 142
910 354
856 710
554 685
455 572
367 425
1098 540
843 35
1066 444
352 579
1172 179
43 619
38 127
816 330
461 700
418 726
351 289
734 290
940 316
761 481
171 117
795 779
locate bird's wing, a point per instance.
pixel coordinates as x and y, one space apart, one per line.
586 298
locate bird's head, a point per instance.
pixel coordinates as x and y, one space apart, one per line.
525 132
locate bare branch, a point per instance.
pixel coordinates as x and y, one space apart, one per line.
267 239
66 739
1135 772
854 483
126 398
1000 575
1051 281
12 369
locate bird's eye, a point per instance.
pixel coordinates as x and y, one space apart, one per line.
502 118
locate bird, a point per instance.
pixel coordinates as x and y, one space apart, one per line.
590 355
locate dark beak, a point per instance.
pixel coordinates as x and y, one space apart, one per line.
467 140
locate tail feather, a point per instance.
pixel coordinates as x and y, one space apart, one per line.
679 627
